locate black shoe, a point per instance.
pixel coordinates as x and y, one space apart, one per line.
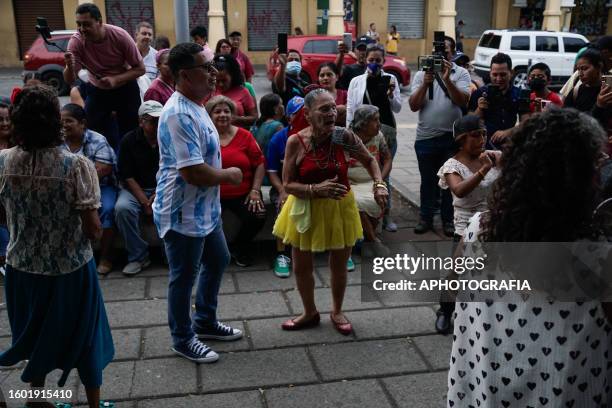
422 227
243 259
449 229
443 323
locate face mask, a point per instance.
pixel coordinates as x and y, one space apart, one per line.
293 68
537 84
374 68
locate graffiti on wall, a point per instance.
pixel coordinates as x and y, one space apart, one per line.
127 15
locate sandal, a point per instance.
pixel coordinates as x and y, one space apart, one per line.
291 324
344 328
105 267
107 404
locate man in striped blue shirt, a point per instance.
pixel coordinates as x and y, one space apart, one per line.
187 209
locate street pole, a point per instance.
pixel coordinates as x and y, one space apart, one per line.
181 21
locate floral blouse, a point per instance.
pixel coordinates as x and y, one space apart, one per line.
42 193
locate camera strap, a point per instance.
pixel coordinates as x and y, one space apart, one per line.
441 84
445 90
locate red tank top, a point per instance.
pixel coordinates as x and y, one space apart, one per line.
325 162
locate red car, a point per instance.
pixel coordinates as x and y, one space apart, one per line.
317 49
48 61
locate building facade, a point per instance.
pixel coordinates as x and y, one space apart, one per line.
260 20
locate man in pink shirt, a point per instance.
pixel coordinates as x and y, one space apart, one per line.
199 34
235 38
114 63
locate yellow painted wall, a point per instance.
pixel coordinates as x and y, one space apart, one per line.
163 11
237 20
311 27
299 15
9 50
69 9
373 11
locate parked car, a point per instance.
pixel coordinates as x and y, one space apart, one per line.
317 49
48 61
556 49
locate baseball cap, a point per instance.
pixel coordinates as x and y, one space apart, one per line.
459 56
151 108
466 124
364 40
294 105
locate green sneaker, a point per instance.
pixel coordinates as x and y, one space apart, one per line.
282 266
350 265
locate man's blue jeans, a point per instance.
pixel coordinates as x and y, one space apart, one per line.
431 155
204 258
127 219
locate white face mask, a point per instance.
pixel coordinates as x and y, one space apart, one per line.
294 67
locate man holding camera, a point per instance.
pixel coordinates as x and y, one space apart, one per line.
497 103
114 64
348 72
438 109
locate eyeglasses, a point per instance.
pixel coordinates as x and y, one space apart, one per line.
208 67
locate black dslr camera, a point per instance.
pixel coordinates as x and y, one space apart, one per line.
434 62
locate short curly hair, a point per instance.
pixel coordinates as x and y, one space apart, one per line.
36 119
220 100
548 187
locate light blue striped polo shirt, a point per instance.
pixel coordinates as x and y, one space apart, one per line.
186 137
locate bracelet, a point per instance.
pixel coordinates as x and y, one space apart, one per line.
257 191
310 193
483 175
380 184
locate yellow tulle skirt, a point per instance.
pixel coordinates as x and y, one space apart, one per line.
334 224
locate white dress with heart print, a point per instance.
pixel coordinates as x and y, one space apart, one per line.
528 353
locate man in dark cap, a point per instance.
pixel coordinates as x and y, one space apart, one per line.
349 72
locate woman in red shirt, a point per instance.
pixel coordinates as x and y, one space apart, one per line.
327 75
239 149
230 83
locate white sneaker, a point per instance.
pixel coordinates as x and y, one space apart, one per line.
134 268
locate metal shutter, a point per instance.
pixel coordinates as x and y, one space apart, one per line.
198 15
26 12
408 16
267 18
476 14
128 13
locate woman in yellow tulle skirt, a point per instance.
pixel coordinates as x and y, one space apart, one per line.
320 213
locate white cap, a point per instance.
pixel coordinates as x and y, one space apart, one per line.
151 108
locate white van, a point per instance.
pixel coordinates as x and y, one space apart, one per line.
527 47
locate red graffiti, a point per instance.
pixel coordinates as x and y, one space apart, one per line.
128 17
268 21
198 13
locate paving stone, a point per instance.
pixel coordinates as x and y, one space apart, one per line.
5 343
249 305
137 313
157 342
263 281
352 278
369 358
116 382
345 394
123 289
124 404
258 369
432 388
159 286
267 333
168 376
127 343
5 328
392 322
323 299
248 399
437 349
11 380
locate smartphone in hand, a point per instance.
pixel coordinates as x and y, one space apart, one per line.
282 43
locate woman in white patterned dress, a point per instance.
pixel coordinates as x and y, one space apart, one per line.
536 352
